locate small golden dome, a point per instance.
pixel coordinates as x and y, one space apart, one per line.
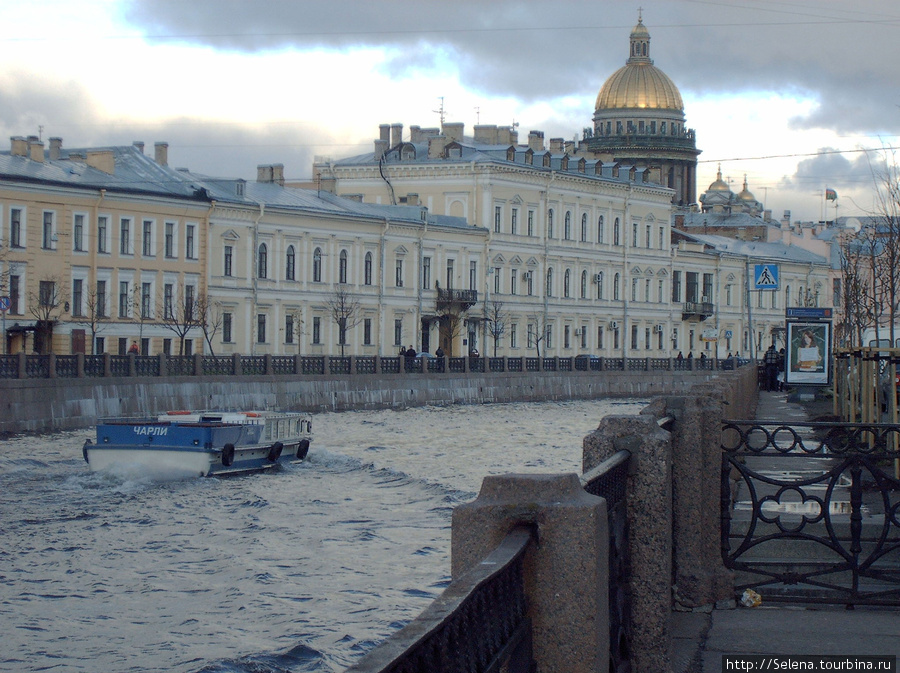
746 195
719 185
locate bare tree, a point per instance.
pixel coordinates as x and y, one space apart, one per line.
92 315
538 330
209 318
885 233
855 277
497 318
46 307
179 315
346 313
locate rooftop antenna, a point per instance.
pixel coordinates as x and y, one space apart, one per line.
441 110
515 124
41 132
477 115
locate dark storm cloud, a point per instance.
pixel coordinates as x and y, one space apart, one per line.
838 53
839 170
28 107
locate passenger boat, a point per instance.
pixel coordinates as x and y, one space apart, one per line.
182 444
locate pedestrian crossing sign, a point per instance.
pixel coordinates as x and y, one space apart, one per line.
765 277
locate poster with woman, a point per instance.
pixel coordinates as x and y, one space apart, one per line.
809 352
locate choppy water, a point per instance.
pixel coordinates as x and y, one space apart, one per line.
302 569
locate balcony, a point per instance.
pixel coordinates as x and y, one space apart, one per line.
692 310
449 300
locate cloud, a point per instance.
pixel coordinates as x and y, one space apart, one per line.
840 54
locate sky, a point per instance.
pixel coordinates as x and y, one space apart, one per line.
796 95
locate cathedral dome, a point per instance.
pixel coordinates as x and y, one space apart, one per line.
746 194
719 185
639 83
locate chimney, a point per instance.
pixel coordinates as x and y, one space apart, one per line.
55 149
384 131
436 145
556 145
504 136
264 173
278 174
381 146
161 153
396 134
415 134
536 140
35 149
485 133
570 147
454 130
18 146
137 143
102 160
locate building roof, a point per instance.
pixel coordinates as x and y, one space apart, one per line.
755 249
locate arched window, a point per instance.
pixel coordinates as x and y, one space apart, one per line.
342 269
616 233
290 272
600 285
549 282
550 224
367 273
567 229
584 284
317 265
584 228
262 261
600 229
616 287
567 279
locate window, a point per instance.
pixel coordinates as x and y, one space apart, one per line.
728 295
145 300
261 328
14 284
514 281
226 328
398 332
47 234
229 257
707 287
647 235
676 286
124 296
168 301
317 330
660 291
317 267
600 229
835 291
634 337
584 228
367 273
147 238
77 296
496 271
550 224
473 275
567 283
675 339
548 338
584 284
78 233
634 234
262 261
100 345
125 236
189 241
426 273
289 328
450 274
584 331
290 264
367 331
513 335
616 233
514 221
567 337
100 299
530 333
647 290
170 240
529 283
498 211
616 280
567 226
398 275
342 267
634 284
599 285
647 338
531 223
600 337
662 238
189 302
549 282
15 228
47 293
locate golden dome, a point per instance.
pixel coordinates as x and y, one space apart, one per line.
746 194
719 185
639 83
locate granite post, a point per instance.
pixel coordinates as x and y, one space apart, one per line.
565 568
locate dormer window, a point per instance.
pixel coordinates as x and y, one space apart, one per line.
407 153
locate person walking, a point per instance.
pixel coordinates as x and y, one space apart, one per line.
770 362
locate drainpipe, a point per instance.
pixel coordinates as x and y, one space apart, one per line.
254 282
381 254
546 256
626 276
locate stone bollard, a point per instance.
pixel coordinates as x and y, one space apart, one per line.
566 578
650 528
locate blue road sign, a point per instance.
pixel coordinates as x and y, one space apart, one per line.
4 304
765 277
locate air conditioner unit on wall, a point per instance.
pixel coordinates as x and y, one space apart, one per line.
598 277
613 324
526 275
658 328
577 332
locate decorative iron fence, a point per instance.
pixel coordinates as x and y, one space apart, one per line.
478 624
811 511
609 480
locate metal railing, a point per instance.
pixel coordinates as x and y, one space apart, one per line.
23 366
478 624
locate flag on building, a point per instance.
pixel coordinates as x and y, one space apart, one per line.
830 195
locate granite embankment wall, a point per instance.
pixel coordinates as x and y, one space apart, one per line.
43 405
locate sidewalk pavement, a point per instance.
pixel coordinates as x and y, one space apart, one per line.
699 639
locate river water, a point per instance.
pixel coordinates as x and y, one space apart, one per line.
301 569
